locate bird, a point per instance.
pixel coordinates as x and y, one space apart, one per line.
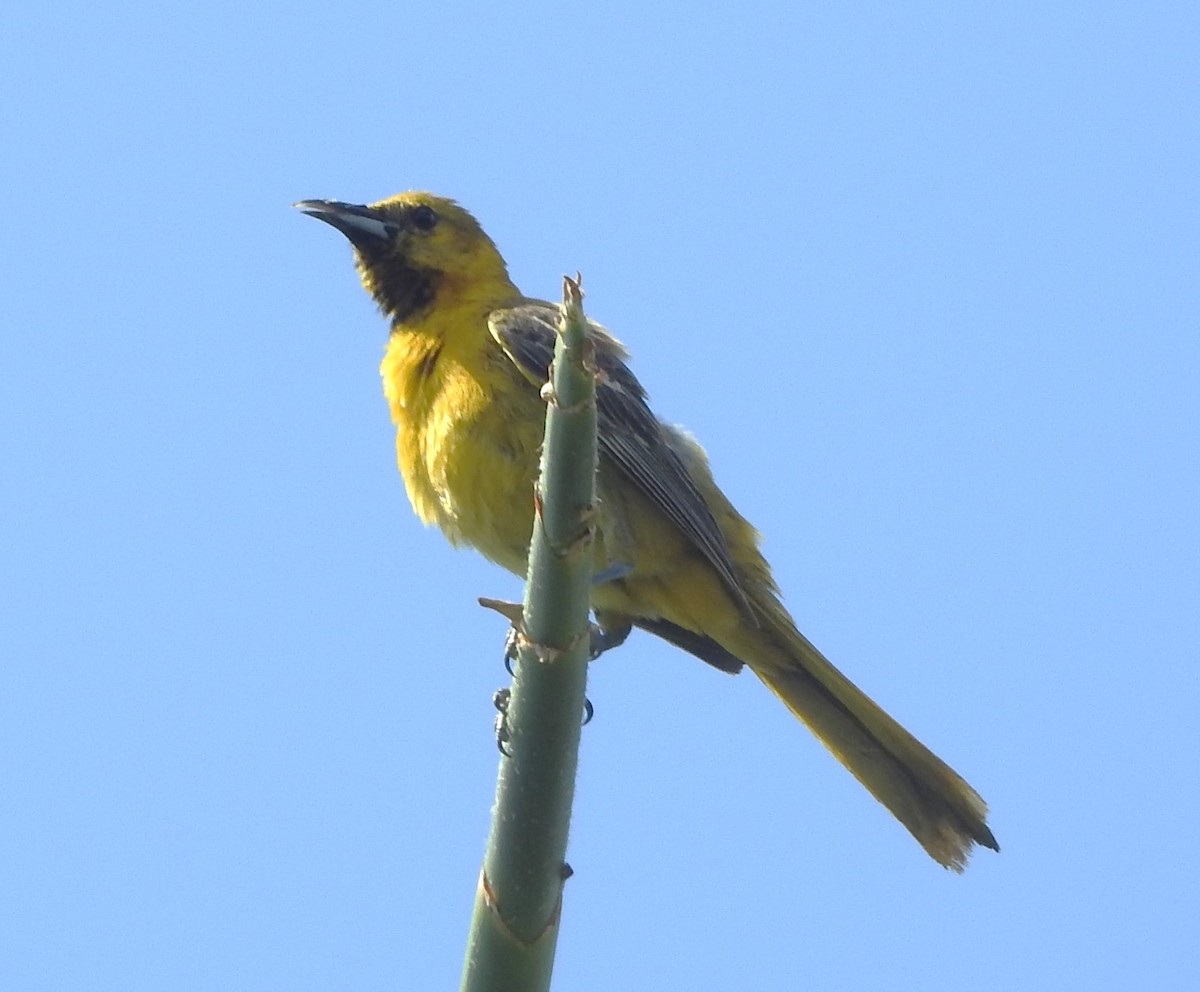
466 357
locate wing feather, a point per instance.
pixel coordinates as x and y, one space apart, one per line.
631 437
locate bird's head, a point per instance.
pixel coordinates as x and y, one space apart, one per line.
416 248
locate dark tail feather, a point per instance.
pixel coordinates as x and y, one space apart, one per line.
944 814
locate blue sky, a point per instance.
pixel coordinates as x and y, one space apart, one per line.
923 278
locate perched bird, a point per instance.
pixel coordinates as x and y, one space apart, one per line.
464 363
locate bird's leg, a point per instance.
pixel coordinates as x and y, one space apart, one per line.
602 636
610 574
610 629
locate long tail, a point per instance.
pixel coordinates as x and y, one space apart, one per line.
944 814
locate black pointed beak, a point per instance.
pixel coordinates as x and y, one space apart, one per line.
366 227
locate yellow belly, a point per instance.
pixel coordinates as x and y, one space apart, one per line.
467 442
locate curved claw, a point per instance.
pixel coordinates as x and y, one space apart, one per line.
500 700
511 643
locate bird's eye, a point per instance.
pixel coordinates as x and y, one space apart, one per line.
424 218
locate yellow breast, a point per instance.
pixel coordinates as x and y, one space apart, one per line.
468 430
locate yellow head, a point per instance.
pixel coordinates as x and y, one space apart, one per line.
415 249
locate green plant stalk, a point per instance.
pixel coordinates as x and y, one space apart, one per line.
514 927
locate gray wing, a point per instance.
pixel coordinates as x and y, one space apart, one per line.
630 437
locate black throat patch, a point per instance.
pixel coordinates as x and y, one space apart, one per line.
402 291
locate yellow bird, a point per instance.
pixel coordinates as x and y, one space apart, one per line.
464 362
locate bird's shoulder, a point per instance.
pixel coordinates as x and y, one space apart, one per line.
526 332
